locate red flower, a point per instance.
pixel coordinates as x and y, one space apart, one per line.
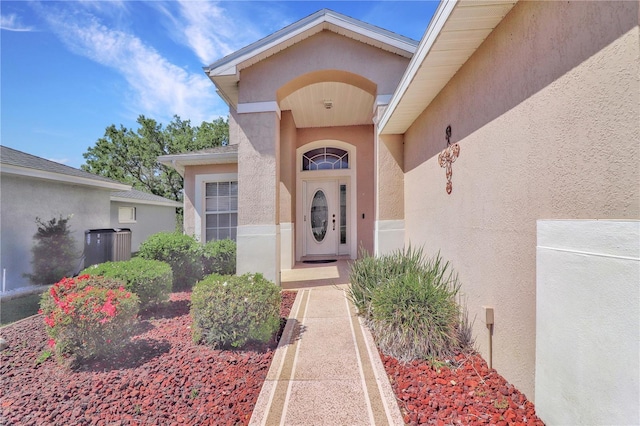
49 321
108 308
51 343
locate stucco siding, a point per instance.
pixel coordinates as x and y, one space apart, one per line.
150 220
23 199
323 51
287 168
189 195
546 115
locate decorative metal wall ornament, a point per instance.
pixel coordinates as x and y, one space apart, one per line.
447 157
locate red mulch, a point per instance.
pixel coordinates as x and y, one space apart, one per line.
468 393
162 378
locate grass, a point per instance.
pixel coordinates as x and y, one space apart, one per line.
18 308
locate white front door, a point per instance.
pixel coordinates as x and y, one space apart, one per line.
321 217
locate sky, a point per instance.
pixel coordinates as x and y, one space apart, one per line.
70 69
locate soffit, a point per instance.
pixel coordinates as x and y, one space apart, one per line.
456 31
350 105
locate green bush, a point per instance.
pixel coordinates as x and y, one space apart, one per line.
410 304
89 317
368 273
182 252
150 280
229 311
219 257
54 251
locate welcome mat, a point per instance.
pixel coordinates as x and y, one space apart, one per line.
320 261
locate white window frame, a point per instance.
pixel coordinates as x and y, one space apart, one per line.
127 214
199 210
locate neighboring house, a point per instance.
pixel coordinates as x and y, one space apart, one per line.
33 187
339 135
143 213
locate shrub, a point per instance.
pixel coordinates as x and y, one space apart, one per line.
368 272
182 252
229 311
54 251
219 257
88 316
410 304
150 280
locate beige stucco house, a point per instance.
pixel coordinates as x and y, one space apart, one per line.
507 138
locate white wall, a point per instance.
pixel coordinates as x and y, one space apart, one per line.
23 199
150 220
587 322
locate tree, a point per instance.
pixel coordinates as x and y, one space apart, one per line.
131 156
54 251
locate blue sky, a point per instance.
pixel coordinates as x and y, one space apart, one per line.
69 69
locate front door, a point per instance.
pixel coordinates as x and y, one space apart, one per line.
321 219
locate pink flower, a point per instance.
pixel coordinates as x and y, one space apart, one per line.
49 321
103 320
51 343
108 308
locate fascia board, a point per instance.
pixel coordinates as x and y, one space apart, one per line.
180 161
431 34
59 177
230 68
382 38
148 202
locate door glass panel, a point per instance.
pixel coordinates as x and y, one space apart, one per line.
343 214
319 216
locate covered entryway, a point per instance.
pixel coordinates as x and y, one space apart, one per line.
304 104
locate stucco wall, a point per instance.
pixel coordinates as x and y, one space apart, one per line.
323 51
587 322
23 199
362 138
546 114
390 178
150 220
287 167
190 174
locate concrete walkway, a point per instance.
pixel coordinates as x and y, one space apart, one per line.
326 370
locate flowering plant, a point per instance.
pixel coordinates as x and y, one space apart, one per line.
89 316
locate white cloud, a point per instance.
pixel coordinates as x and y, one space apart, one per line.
12 22
159 88
211 30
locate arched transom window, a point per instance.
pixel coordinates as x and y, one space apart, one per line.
325 159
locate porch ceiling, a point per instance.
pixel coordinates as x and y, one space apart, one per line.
456 31
349 105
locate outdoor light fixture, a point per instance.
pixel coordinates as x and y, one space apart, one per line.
328 103
447 157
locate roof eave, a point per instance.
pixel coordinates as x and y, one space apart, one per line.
59 177
400 114
167 203
180 161
230 66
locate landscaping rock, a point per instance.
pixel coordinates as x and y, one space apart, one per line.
3 344
160 378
